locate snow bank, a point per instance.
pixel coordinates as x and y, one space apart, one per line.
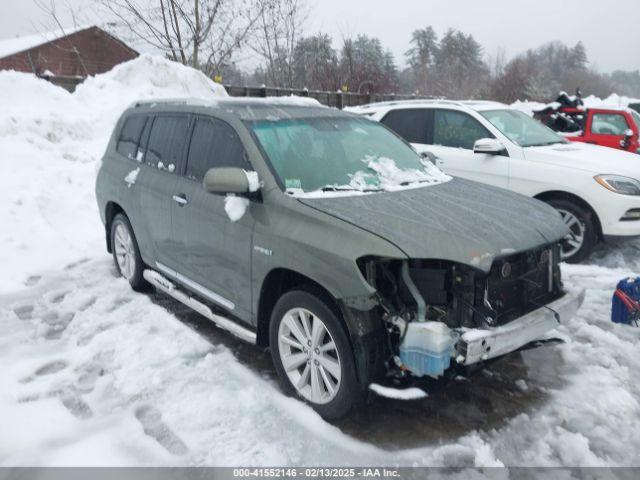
51 140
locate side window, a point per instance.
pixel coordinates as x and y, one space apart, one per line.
144 140
166 141
410 124
457 129
130 136
609 124
214 143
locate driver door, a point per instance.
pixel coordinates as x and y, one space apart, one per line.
216 251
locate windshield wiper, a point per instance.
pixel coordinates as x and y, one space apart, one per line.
544 144
329 188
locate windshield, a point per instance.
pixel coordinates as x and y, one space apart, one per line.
521 128
636 117
341 153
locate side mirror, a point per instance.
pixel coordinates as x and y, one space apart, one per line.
489 146
626 140
228 180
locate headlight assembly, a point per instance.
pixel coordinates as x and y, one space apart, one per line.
619 184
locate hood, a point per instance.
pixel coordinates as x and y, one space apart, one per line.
592 158
461 221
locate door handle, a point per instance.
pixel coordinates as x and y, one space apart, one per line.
180 199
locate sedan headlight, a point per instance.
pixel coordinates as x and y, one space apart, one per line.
619 184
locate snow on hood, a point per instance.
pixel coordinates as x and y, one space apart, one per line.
592 158
460 220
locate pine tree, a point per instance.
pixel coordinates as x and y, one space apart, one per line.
421 56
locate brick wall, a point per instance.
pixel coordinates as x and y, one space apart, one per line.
86 52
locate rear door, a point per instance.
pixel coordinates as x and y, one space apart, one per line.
162 162
216 251
124 166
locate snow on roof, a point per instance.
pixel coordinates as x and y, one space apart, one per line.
9 46
290 101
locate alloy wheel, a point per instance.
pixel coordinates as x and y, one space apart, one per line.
124 250
573 242
309 356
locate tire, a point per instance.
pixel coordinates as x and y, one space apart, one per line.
316 366
583 227
126 254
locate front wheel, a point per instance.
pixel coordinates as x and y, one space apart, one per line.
576 246
312 354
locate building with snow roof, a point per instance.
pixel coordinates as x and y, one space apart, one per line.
65 58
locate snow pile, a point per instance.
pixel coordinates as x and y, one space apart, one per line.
50 142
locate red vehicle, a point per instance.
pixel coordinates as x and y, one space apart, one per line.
615 127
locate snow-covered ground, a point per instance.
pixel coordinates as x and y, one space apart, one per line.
94 374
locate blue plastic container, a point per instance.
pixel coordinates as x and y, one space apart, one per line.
423 362
427 348
620 313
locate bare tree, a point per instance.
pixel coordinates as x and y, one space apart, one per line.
204 34
279 28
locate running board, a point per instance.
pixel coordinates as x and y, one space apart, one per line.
161 282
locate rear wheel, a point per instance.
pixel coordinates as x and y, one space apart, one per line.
312 354
576 246
126 254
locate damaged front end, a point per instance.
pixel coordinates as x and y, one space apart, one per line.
442 316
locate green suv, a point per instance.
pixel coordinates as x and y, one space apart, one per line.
325 237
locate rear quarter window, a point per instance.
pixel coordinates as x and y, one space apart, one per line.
410 124
129 136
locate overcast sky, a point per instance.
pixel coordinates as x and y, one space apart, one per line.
610 29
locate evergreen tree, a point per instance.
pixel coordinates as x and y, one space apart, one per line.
421 56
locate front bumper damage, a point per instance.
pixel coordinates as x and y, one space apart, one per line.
475 345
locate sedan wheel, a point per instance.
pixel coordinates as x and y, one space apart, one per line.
309 356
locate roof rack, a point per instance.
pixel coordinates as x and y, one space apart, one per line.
390 103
